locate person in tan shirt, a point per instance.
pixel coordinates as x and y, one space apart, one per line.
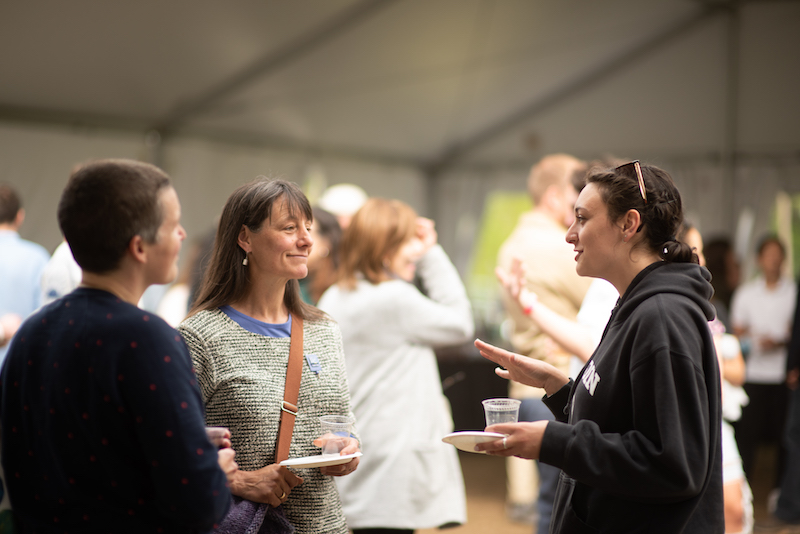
539 242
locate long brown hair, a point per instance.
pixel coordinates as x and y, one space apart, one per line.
377 231
226 280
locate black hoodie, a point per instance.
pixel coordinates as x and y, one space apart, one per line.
641 449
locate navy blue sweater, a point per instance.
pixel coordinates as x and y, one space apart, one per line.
102 423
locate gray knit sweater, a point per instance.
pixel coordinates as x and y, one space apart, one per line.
241 376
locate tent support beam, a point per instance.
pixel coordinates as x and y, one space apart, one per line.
261 141
270 63
72 119
81 122
572 88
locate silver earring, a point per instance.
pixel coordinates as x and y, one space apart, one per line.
244 261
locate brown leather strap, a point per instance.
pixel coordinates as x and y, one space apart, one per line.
294 371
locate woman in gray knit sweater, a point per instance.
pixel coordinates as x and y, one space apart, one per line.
238 333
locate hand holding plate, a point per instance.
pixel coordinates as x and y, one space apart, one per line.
521 439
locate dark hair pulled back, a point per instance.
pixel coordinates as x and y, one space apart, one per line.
662 214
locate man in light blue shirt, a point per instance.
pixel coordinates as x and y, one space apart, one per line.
21 265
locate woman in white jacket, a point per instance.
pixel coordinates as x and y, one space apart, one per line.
407 479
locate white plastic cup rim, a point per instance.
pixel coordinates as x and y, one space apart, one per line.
336 424
337 419
501 404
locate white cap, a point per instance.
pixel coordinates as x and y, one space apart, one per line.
343 199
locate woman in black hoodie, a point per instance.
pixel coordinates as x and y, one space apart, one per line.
637 433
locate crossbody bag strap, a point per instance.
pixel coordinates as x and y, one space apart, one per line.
294 371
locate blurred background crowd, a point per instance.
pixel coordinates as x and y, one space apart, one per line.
447 106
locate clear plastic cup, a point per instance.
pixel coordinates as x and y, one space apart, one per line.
336 433
501 411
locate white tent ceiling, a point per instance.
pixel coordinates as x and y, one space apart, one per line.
426 82
430 101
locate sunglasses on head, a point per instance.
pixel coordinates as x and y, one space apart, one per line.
638 169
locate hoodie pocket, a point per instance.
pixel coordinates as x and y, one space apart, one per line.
565 520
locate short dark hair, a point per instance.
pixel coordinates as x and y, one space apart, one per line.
226 280
661 214
719 252
327 226
768 239
9 204
105 204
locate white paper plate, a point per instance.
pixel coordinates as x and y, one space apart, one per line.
466 441
318 461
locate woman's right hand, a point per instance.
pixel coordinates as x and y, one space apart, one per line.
271 484
522 439
528 371
227 463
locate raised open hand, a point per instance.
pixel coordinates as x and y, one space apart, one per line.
524 370
513 283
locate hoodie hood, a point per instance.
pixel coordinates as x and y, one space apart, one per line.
687 279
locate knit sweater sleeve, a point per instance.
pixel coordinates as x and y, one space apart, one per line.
343 393
202 360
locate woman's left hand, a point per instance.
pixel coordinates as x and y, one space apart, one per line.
341 469
522 439
351 447
514 284
426 233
